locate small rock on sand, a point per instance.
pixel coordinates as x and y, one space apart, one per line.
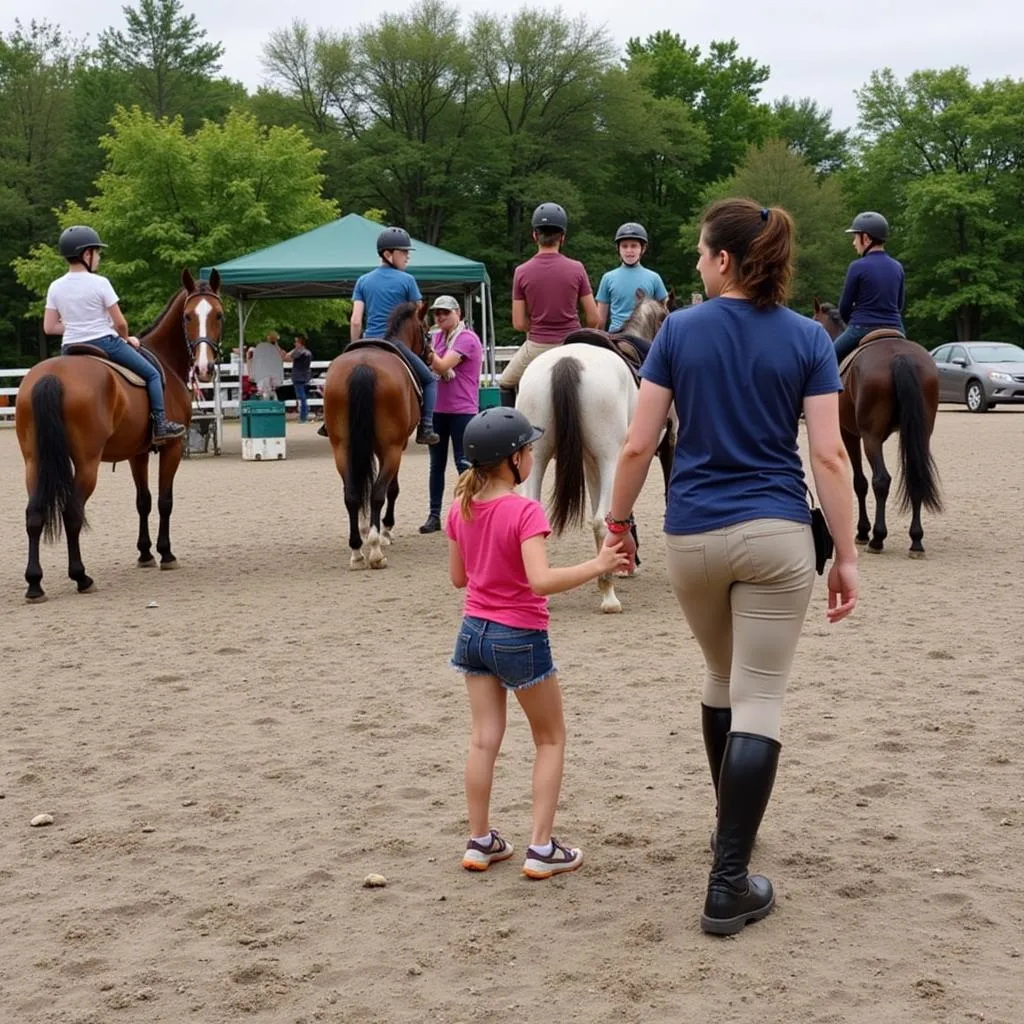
374 882
41 819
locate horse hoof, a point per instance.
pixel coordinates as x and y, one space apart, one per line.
872 550
379 563
35 598
171 563
915 554
89 588
356 562
385 538
613 607
146 563
862 540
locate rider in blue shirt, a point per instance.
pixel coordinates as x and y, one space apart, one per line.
874 293
617 293
376 295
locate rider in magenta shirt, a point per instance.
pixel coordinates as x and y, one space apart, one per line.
491 545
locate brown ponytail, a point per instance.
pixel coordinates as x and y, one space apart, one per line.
760 241
469 485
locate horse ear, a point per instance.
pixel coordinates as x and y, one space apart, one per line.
187 281
670 300
215 280
817 305
421 309
640 295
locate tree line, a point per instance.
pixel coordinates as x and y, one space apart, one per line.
456 128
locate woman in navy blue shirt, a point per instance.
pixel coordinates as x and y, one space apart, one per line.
740 369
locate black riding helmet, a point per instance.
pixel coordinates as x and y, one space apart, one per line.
549 215
393 238
869 223
631 231
496 434
76 240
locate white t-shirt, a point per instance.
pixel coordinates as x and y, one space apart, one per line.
82 300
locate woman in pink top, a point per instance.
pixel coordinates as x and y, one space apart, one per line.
497 553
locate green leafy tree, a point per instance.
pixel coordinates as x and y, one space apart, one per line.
774 175
164 51
721 88
168 199
807 129
949 156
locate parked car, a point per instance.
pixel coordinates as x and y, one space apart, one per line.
981 374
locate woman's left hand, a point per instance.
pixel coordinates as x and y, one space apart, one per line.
133 341
628 545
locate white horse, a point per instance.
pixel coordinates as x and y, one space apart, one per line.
585 397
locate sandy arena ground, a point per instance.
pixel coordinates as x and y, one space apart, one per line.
226 768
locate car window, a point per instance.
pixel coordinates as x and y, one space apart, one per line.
941 355
997 353
959 352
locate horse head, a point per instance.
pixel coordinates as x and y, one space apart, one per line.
828 316
203 322
408 324
647 316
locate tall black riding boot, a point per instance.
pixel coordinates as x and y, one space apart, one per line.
715 724
507 397
735 897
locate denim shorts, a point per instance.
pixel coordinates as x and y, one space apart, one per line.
516 657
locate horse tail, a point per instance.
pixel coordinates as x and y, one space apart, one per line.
570 495
362 393
55 479
919 481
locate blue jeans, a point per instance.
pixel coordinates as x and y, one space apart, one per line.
449 426
119 351
427 381
300 398
851 337
516 657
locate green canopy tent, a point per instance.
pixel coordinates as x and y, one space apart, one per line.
325 263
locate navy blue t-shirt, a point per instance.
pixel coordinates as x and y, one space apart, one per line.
873 294
738 377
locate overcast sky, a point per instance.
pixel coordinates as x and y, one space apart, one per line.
819 48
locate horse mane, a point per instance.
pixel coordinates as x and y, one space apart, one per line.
163 312
645 319
399 315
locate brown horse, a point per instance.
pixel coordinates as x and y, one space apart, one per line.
74 412
370 409
891 385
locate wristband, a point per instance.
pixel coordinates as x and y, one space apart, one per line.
618 525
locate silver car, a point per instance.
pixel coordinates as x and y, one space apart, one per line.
981 374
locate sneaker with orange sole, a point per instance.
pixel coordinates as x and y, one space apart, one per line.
479 857
561 859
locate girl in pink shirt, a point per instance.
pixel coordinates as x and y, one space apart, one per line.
496 552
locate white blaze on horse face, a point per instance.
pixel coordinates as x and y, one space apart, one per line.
203 310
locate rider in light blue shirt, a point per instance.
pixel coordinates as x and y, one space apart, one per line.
376 295
617 293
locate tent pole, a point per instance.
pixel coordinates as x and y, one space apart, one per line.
490 333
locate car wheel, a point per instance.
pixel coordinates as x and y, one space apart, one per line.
975 397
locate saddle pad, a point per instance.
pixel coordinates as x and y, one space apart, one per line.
619 344
129 375
389 346
865 342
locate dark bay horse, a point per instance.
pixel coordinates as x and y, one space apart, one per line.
74 412
370 409
892 385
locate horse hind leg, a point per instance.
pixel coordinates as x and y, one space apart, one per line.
880 483
74 519
916 531
860 486
389 512
599 483
381 486
34 527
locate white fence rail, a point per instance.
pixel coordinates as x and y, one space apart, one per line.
228 383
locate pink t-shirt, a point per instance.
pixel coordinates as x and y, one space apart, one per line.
491 547
552 286
462 394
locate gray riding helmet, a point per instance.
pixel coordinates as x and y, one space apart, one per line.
631 230
549 215
870 223
75 240
496 434
393 238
